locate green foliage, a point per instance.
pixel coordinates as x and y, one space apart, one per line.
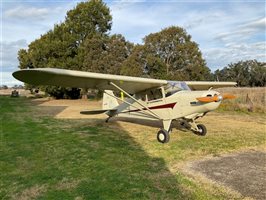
133 65
24 59
88 18
105 54
169 54
245 73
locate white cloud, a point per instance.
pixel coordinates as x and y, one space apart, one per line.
235 52
258 24
9 62
244 31
22 12
6 78
9 52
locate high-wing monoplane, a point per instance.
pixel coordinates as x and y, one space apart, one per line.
182 102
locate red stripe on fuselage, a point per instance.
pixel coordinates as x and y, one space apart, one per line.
169 105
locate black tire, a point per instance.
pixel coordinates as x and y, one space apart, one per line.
163 136
202 130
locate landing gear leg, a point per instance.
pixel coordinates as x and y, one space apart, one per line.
198 129
202 130
107 120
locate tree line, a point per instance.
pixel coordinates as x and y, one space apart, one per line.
83 42
249 73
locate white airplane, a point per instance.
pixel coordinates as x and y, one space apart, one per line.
147 99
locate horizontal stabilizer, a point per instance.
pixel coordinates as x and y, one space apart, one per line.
94 112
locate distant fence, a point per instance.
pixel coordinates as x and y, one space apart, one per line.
248 99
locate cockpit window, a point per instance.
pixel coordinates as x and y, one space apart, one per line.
155 94
174 87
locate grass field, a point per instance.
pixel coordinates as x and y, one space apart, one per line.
46 158
248 99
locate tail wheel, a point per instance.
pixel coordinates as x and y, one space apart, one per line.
202 130
163 136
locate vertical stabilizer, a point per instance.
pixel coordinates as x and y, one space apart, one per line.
109 102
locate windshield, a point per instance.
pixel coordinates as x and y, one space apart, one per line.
175 86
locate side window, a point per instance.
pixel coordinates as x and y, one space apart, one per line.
171 92
155 94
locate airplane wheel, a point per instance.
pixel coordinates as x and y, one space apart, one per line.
202 130
163 136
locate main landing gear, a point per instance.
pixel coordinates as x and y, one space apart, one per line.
202 130
163 136
198 129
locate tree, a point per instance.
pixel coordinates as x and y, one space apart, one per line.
24 59
105 54
60 47
245 73
88 18
4 87
171 52
134 64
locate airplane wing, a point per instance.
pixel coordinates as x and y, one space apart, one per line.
205 85
79 79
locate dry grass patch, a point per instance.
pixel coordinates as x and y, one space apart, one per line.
66 184
248 99
30 193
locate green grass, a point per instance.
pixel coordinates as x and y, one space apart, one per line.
46 158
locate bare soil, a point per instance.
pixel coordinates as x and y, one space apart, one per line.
70 109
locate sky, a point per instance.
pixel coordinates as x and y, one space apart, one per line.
226 31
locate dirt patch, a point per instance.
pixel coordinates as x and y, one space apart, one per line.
71 108
31 193
67 185
243 172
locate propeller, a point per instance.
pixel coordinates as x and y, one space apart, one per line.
215 98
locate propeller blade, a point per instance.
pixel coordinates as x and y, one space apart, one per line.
206 99
228 96
215 98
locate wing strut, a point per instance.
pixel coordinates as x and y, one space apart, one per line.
130 96
143 111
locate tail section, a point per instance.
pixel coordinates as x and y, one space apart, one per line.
109 102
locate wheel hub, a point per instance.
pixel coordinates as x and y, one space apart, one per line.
161 137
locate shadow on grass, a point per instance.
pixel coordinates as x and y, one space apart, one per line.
117 167
68 159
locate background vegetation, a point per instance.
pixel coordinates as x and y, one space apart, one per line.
248 99
83 42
